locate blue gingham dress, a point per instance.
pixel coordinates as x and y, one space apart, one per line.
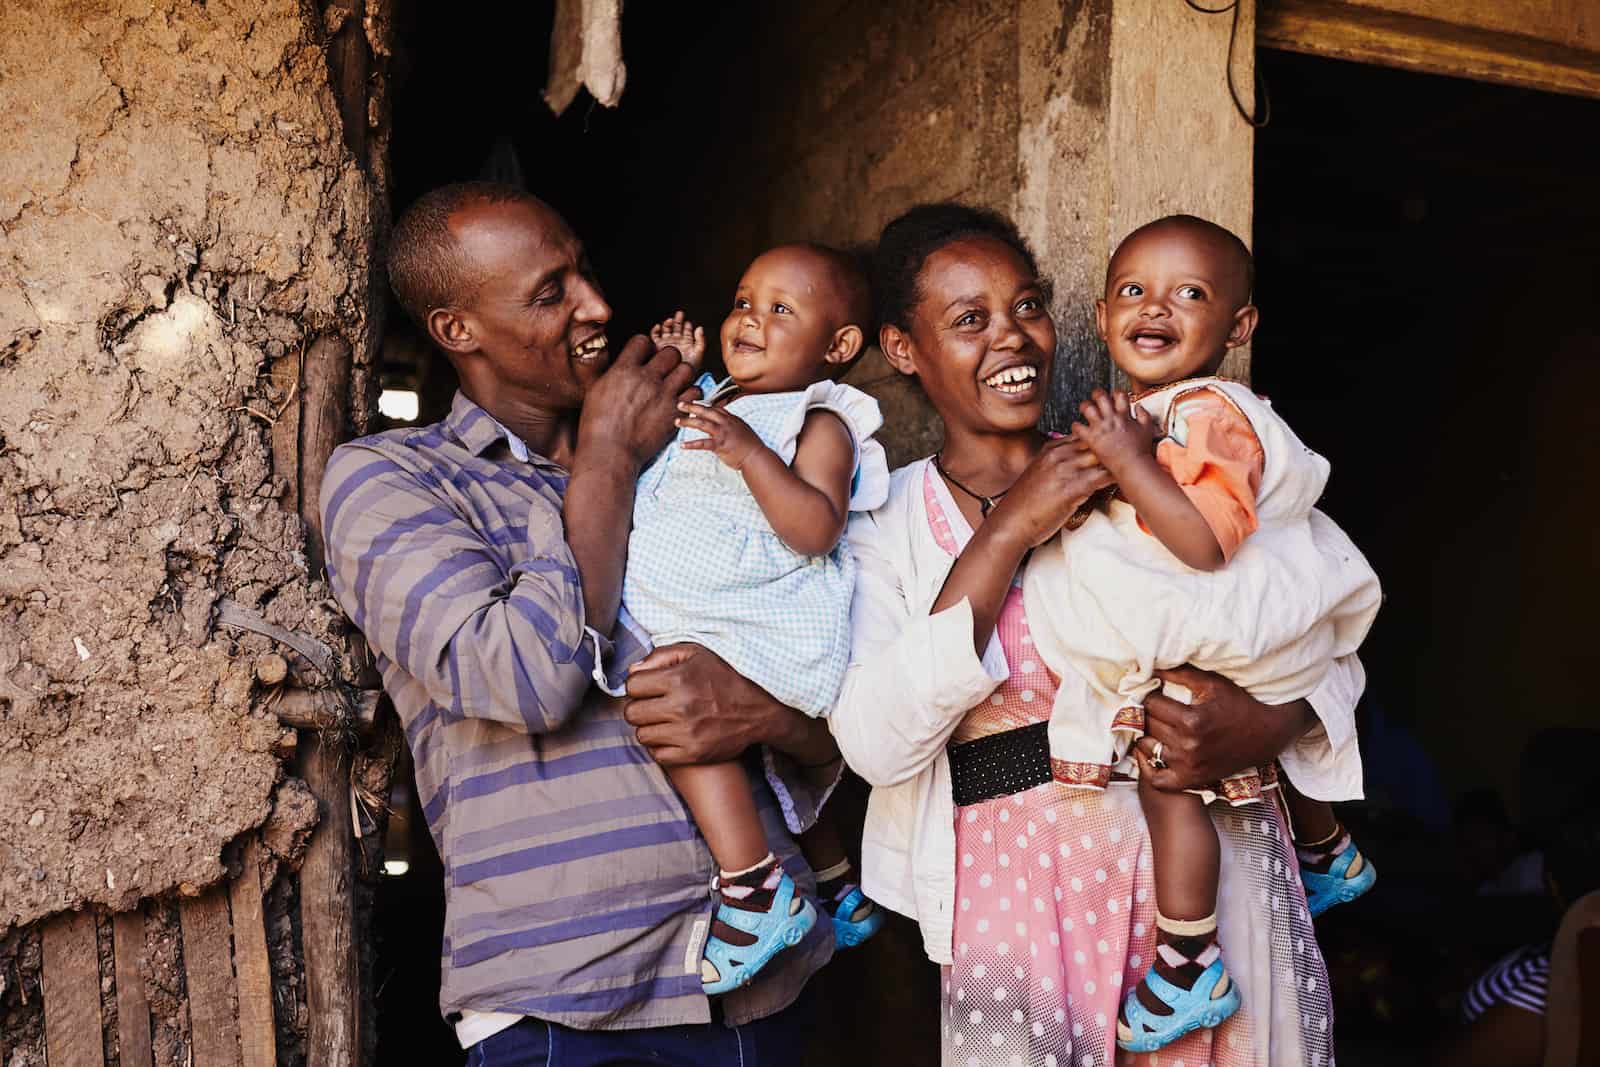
705 565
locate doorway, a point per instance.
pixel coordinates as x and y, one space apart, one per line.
1428 284
657 190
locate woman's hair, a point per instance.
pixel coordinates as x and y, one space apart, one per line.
909 240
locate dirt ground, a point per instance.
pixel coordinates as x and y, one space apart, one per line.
183 224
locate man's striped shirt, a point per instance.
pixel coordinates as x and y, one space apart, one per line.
577 888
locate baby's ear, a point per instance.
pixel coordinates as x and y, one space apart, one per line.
1244 325
846 345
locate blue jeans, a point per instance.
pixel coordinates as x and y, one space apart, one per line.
776 1041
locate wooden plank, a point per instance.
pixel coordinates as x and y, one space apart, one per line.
1365 35
208 962
327 916
1574 23
71 979
1176 140
257 1041
133 1007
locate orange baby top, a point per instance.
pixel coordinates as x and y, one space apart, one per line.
1216 458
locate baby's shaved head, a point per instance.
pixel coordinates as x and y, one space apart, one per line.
846 273
1235 266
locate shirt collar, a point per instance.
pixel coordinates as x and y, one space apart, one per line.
477 430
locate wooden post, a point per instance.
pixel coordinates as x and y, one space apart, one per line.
257 1041
324 399
208 963
71 977
327 914
133 1007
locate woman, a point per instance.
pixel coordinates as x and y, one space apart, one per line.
1036 898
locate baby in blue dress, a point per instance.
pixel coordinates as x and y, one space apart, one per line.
736 546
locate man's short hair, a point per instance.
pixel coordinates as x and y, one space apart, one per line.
427 270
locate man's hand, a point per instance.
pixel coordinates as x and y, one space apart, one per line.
1221 731
688 706
1115 429
634 403
726 434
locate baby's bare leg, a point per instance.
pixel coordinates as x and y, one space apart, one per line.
680 333
718 796
1188 859
1314 820
1188 865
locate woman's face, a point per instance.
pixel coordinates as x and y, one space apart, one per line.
981 340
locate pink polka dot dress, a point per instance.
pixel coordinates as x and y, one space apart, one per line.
1055 907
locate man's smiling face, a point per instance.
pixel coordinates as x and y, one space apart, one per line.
537 318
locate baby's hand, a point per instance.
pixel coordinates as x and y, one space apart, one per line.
1115 429
685 336
726 434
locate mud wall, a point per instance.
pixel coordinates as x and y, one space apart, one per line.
863 110
181 218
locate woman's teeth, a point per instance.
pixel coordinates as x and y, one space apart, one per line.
1012 379
590 348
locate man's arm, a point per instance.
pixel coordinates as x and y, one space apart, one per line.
627 417
688 706
429 592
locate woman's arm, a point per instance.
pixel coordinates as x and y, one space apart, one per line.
1059 479
912 676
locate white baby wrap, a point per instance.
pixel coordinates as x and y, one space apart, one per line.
1109 604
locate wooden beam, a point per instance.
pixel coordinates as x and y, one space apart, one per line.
1389 39
71 979
318 709
327 913
208 964
257 1040
133 1006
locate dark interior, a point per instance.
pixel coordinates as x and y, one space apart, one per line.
1428 284
1427 280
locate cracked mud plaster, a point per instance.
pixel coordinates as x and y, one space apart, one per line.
177 211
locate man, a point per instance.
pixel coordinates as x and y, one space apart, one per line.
482 557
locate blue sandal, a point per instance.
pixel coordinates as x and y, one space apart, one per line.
781 926
1192 1009
847 932
1338 885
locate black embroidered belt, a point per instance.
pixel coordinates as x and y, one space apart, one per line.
1000 764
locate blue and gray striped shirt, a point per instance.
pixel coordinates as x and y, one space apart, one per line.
577 888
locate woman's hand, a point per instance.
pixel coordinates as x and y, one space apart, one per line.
1059 479
687 705
1221 731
